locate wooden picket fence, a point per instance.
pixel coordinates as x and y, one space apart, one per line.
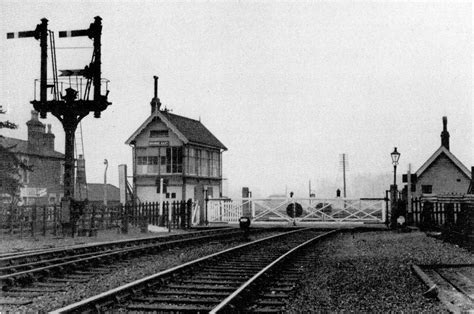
25 221
454 214
149 213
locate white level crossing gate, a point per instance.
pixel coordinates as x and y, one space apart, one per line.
367 210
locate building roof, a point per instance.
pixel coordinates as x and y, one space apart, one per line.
22 147
449 155
188 130
95 192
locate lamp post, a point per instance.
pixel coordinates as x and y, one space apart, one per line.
395 156
394 191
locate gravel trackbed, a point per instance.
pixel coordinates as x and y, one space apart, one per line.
370 272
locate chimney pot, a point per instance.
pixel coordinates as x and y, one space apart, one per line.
155 101
445 134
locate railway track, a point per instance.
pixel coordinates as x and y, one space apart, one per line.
224 281
453 285
23 269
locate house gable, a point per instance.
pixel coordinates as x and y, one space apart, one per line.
443 174
442 150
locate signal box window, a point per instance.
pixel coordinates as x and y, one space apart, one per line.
159 133
426 189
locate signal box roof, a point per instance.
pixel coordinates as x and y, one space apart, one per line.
188 130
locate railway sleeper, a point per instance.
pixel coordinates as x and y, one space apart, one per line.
50 284
270 302
170 308
212 281
275 295
185 292
203 287
226 277
262 309
240 270
41 290
68 280
177 300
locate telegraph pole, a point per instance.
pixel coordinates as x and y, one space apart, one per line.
344 163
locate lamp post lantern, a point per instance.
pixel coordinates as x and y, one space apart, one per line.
395 156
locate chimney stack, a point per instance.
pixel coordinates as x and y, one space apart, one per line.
49 139
34 115
445 134
35 130
155 101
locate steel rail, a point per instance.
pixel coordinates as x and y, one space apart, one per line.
101 250
237 293
95 303
13 259
9 279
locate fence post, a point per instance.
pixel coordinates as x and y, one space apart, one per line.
189 213
10 217
449 215
44 220
143 218
155 213
125 212
22 214
166 209
427 215
102 216
148 214
55 227
93 229
170 215
33 220
182 214
111 218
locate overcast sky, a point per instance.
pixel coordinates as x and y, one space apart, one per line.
286 87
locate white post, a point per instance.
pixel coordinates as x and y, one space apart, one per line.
253 210
160 197
170 209
106 163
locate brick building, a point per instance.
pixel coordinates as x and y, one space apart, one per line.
44 184
442 173
178 149
95 194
